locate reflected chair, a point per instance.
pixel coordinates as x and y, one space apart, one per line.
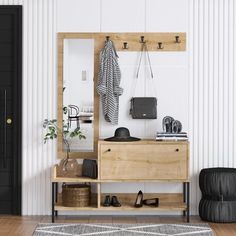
73 115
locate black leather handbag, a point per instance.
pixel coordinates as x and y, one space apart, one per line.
89 168
143 108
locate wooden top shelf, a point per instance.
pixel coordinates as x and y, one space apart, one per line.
144 141
80 179
89 180
74 180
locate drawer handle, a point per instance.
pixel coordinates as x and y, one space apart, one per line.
176 149
109 150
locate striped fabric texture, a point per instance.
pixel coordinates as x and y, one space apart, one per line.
109 83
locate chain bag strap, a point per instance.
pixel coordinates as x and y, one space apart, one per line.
143 107
144 49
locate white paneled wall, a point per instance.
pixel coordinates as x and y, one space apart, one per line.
212 50
39 101
197 86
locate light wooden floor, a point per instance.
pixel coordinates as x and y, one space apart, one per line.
24 226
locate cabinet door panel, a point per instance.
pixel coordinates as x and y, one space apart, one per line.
144 161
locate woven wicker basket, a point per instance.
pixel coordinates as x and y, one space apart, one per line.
76 195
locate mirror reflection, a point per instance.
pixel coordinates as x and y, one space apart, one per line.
78 91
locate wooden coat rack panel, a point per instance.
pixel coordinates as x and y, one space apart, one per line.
132 41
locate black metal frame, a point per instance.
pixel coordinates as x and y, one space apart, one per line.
54 200
16 10
186 198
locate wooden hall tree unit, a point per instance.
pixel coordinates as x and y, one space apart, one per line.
140 161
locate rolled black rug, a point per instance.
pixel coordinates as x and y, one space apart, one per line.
218 187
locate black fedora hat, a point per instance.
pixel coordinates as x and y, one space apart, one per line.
122 135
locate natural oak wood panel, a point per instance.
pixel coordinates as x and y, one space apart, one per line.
168 40
143 160
167 201
127 207
98 195
162 207
63 208
143 180
75 180
129 198
56 177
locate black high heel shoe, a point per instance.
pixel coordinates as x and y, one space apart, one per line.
151 202
139 199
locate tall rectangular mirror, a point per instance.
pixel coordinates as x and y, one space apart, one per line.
77 100
78 94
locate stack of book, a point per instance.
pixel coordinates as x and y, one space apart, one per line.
162 136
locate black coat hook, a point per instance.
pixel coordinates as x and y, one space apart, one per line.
160 45
142 39
125 45
177 39
107 38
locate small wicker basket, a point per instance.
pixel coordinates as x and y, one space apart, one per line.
76 195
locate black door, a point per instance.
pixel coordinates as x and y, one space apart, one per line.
10 108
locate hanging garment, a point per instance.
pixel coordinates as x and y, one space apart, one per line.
109 83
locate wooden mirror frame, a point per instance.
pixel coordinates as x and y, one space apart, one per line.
61 153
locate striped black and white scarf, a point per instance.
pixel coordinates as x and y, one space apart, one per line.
109 83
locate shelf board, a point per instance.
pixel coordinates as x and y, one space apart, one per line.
59 207
74 180
77 179
169 206
89 180
143 180
162 207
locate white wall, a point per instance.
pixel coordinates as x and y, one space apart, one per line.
212 100
205 73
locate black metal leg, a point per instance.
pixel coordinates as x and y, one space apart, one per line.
184 196
56 193
188 201
53 201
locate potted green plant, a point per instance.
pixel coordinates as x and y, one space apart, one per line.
52 131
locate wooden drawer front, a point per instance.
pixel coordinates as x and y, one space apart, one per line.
148 161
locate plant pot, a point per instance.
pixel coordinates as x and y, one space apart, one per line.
68 168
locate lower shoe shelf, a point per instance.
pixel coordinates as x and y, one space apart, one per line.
60 207
167 202
170 206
